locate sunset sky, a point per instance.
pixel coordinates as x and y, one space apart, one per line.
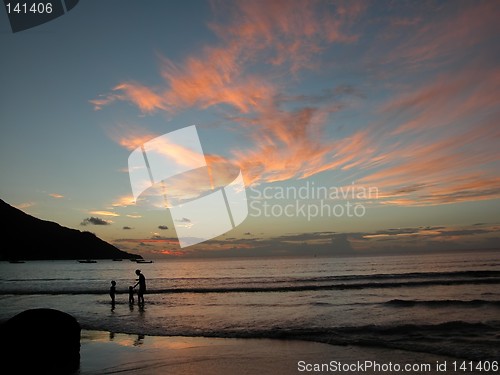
396 102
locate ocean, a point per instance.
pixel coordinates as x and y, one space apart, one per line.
447 304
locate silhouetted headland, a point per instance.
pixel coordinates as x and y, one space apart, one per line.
50 241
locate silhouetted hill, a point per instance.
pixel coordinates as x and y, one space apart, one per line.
29 238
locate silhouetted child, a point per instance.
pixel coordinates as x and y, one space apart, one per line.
131 294
112 291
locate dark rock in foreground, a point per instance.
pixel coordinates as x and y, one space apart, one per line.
41 341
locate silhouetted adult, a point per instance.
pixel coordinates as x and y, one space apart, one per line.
141 281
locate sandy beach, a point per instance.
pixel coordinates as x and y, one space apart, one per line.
107 353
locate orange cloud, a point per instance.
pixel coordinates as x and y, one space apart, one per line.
124 201
287 32
172 252
25 205
286 145
452 30
423 149
172 241
447 142
215 78
130 136
145 98
104 213
280 32
134 216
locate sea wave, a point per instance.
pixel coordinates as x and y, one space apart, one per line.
442 303
478 274
13 290
453 338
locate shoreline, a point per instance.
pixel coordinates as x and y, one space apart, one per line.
104 352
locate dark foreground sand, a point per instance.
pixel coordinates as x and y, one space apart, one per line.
107 353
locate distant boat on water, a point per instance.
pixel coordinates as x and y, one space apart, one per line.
16 261
117 260
87 261
143 261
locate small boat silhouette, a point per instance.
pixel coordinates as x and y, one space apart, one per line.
87 261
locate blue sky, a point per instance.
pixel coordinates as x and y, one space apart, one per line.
401 97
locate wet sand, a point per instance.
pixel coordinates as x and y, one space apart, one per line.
107 353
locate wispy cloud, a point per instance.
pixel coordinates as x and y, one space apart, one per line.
124 201
282 33
433 138
443 32
25 205
104 213
445 139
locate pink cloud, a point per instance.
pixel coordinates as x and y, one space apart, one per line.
447 31
435 141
